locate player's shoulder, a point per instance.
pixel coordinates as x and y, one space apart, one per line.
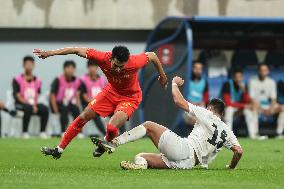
107 55
37 79
270 80
220 123
18 76
94 52
199 109
254 78
134 57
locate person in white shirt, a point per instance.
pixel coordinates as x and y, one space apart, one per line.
263 93
207 138
280 101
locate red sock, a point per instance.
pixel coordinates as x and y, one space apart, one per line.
111 132
73 129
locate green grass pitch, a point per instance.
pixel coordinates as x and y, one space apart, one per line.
23 166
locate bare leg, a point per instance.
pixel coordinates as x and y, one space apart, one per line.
143 160
251 118
72 131
280 124
229 116
116 121
153 130
88 114
75 127
154 160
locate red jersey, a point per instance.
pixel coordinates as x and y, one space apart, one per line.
125 82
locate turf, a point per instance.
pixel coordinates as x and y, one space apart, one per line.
23 166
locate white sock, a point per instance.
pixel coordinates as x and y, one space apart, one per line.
141 161
129 136
60 150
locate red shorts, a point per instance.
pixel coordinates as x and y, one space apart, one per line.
108 102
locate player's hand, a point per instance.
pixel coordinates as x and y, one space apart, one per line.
35 109
281 108
242 86
163 80
267 112
178 80
40 53
57 113
2 105
249 106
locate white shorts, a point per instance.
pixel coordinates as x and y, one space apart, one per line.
176 151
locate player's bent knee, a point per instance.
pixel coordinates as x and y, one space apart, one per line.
148 125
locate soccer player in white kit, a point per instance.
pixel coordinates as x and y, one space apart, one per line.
207 138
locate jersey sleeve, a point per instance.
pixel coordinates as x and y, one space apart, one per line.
251 86
54 86
140 60
99 57
273 90
201 114
16 88
83 88
231 140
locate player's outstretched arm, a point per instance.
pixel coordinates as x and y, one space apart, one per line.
238 152
177 96
155 60
80 51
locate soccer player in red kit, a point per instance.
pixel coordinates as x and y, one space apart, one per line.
120 97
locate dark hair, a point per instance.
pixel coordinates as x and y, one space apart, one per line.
237 70
196 62
91 63
218 105
121 53
260 65
68 63
28 58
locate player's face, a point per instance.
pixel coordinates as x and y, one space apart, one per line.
263 71
197 69
93 70
116 66
29 66
69 71
238 78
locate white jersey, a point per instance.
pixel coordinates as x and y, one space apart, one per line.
209 135
262 90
